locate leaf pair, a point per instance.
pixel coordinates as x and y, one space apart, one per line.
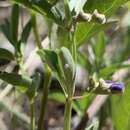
63 66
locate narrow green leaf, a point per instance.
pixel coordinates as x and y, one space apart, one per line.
26 32
111 69
67 70
84 61
51 58
100 46
99 50
107 7
86 30
15 79
61 62
68 64
60 37
14 23
5 28
5 54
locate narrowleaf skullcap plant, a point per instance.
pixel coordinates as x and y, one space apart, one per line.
76 21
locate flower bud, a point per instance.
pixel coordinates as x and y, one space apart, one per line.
116 87
102 86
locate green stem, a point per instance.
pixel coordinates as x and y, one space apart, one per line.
67 114
47 79
32 116
68 104
34 26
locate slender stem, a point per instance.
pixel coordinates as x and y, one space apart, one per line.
67 115
68 104
32 116
47 79
35 30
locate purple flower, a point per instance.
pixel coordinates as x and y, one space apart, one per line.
116 87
